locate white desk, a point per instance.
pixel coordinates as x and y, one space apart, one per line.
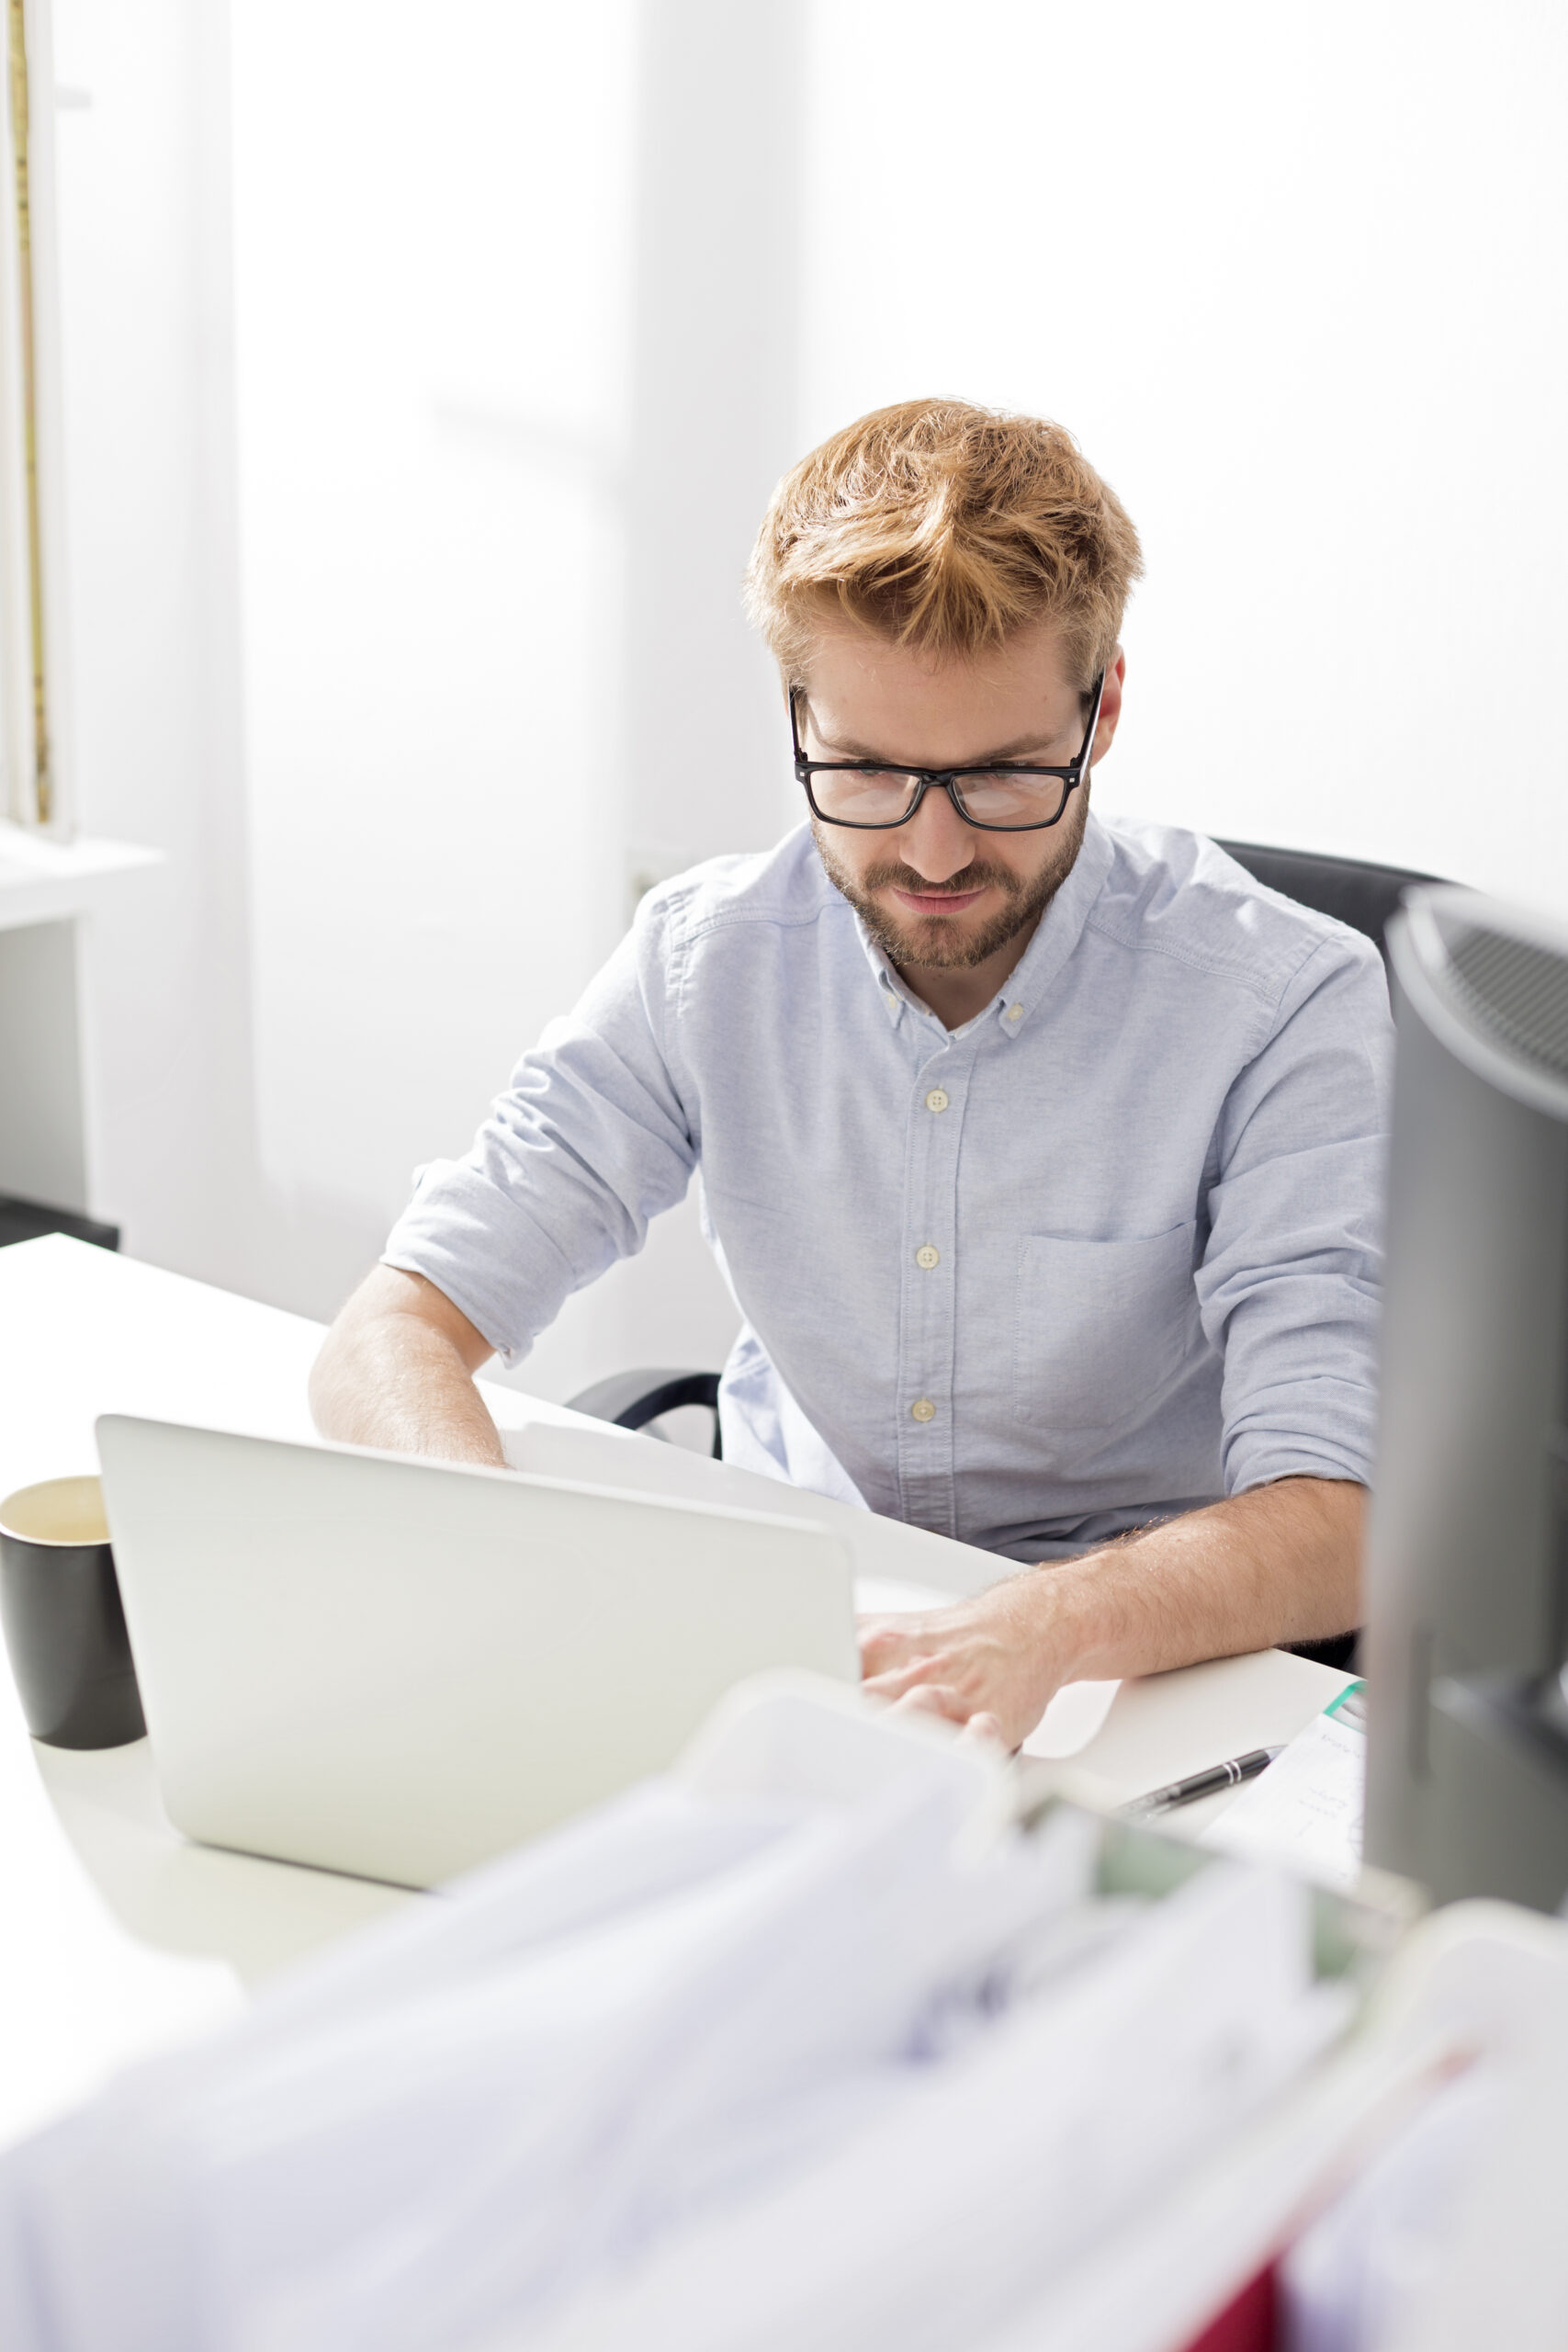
119 1935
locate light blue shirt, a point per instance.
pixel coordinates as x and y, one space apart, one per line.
1108 1251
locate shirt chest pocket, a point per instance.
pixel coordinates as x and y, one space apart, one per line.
1103 1327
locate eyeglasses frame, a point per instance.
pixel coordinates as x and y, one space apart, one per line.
945 779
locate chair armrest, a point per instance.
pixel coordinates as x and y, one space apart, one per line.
632 1399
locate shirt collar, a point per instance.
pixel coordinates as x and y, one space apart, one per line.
1059 930
889 987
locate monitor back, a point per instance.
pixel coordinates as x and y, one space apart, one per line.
1469 1528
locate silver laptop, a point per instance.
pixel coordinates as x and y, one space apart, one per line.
400 1668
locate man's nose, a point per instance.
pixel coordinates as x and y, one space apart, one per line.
936 841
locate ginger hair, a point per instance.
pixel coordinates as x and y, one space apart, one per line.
944 527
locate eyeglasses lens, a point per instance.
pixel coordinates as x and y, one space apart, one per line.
884 795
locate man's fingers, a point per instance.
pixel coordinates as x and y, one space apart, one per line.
982 1729
893 1681
933 1699
887 1641
891 1658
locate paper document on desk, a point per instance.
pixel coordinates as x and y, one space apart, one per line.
1305 1810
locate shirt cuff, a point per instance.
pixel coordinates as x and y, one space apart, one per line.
485 1253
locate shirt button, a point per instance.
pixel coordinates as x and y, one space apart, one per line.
936 1099
922 1409
926 1256
1015 1012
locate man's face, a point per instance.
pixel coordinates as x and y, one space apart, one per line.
938 894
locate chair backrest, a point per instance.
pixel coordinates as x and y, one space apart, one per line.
1349 889
1364 895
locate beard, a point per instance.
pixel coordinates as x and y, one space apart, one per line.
937 942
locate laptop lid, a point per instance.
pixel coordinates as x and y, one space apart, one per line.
400 1668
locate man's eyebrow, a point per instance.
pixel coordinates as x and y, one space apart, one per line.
849 750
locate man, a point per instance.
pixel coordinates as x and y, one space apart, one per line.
1042 1154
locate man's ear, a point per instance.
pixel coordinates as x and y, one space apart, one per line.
1109 706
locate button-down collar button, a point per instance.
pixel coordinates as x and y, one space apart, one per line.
1015 1012
922 1409
926 1256
936 1099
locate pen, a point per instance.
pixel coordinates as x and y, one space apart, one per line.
1206 1783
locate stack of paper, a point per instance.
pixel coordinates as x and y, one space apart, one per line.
803 2049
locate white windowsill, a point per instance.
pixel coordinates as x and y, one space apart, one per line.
44 879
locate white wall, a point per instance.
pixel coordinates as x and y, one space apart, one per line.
426 376
452 395
429 412
1296 283
512 386
152 587
1295 278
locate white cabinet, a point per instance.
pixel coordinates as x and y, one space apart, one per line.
49 890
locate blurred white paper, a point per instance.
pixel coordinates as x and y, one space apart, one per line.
1074 1716
482 2108
1306 1811
931 2224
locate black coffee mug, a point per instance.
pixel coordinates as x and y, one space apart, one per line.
65 1626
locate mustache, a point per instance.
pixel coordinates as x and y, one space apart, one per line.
975 876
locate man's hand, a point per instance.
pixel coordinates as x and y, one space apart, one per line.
396 1371
991 1660
1279 1563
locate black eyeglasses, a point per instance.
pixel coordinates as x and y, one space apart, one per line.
1003 798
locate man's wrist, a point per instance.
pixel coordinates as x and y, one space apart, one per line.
1078 1615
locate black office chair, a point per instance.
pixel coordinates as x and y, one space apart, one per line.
632 1399
1351 889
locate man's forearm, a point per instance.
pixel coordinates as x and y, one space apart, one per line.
1282 1563
395 1380
1279 1563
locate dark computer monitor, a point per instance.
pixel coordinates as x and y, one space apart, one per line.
1467 1546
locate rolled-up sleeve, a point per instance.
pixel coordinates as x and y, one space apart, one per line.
1289 1284
593 1137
